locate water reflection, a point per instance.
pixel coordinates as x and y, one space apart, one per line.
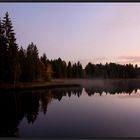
91 91
120 87
16 106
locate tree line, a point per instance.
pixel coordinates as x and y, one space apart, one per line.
24 65
112 70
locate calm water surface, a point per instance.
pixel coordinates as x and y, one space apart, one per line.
81 112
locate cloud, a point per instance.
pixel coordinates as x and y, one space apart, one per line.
100 58
129 59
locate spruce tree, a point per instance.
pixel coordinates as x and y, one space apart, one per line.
22 62
32 63
69 70
44 59
12 48
3 54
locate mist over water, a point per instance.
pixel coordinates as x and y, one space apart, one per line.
97 109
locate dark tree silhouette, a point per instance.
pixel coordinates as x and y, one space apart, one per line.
3 54
12 48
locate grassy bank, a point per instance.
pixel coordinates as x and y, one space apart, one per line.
35 85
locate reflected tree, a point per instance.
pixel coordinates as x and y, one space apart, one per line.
117 87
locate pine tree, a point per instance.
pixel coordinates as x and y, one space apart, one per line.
79 69
44 59
46 68
69 70
3 54
12 47
22 62
32 63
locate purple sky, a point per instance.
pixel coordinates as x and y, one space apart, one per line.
96 32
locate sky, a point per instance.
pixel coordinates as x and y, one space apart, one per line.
95 32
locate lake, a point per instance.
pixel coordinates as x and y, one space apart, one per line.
102 109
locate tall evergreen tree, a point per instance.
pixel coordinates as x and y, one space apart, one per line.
12 47
79 69
32 62
3 54
22 62
44 59
46 68
69 70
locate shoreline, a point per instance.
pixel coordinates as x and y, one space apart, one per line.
35 86
60 83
